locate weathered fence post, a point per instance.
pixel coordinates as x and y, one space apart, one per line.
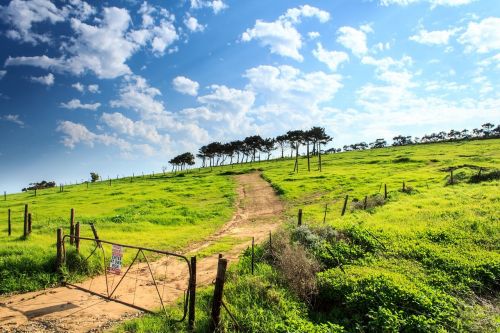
59 244
345 205
25 229
365 203
9 230
404 186
299 222
35 191
217 301
253 254
77 237
270 242
192 295
451 177
71 226
324 216
29 223
385 191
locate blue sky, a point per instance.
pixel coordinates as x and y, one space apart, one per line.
120 87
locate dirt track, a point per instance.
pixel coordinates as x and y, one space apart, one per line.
67 309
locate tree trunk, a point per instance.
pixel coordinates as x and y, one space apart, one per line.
308 160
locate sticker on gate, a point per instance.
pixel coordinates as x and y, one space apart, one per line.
115 265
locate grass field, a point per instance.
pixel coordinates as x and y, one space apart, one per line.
166 212
427 260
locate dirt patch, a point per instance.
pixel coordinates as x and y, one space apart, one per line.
68 309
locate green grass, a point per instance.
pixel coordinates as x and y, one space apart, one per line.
164 212
424 261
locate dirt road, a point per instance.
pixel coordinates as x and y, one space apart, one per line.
68 309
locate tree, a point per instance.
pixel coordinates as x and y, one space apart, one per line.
487 129
295 138
94 176
281 140
379 143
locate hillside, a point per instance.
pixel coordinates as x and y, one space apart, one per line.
425 259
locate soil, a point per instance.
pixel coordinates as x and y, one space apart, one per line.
69 309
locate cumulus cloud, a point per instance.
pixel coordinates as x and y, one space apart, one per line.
192 24
124 125
13 118
2 74
331 58
21 15
92 88
216 5
354 39
74 133
313 34
136 94
281 36
185 86
47 80
76 104
104 48
433 3
483 36
437 37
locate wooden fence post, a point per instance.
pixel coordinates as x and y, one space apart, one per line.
25 229
365 203
35 191
299 222
29 223
72 226
77 237
192 295
404 186
345 205
59 244
324 216
4 196
9 230
451 177
385 191
217 300
253 254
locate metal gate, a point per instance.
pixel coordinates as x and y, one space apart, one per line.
144 284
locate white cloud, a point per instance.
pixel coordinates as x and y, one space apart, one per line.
23 14
353 39
281 36
437 37
185 86
75 133
92 88
13 118
105 48
313 34
78 86
482 37
47 80
216 5
433 3
192 24
136 94
124 125
2 74
76 104
331 58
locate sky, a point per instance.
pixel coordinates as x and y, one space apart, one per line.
121 87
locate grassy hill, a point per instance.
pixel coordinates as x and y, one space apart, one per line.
424 259
162 211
